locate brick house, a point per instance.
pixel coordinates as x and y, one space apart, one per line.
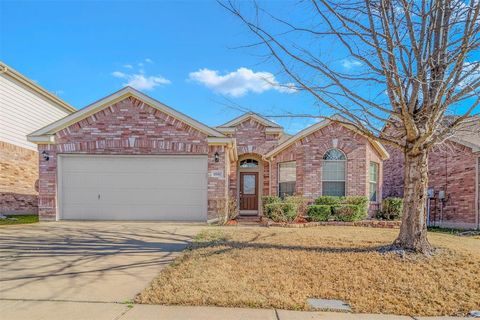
25 107
454 179
130 157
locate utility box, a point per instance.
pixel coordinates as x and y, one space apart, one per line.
431 193
441 194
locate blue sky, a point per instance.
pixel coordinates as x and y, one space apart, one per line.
181 53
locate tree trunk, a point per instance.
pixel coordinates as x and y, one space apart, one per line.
413 231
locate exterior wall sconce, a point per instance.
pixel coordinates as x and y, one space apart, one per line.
45 155
217 157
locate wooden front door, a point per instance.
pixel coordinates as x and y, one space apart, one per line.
248 190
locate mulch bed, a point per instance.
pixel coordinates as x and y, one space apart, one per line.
363 223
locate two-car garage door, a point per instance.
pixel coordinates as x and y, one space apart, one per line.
132 187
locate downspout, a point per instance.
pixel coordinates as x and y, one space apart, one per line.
269 175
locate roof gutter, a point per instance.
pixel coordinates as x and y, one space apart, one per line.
43 139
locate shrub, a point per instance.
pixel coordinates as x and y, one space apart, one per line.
268 200
319 212
391 209
362 201
230 211
348 212
281 211
300 202
328 200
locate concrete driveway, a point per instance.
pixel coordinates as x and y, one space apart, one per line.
86 261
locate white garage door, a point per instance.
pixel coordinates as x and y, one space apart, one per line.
132 187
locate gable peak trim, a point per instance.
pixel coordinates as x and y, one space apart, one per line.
116 97
250 115
14 74
320 125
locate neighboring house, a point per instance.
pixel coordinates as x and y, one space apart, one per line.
130 157
24 107
454 179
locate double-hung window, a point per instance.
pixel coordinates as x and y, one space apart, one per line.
373 181
287 178
333 173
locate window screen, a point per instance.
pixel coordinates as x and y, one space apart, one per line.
373 181
287 177
333 173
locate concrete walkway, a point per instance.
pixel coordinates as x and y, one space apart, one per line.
87 261
61 310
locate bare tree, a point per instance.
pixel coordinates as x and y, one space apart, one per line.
397 70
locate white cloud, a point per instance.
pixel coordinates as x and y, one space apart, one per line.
119 74
148 60
350 63
240 82
138 79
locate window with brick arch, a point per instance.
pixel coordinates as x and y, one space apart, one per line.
333 173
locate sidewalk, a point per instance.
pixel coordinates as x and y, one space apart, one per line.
61 310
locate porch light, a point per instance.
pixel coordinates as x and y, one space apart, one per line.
217 157
45 155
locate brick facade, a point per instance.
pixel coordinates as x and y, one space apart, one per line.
128 127
133 127
18 179
308 153
452 169
393 173
254 142
218 182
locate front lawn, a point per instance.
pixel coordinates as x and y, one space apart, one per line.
19 219
281 268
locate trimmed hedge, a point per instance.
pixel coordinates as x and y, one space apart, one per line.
328 200
319 212
348 212
300 202
392 209
281 211
350 208
362 201
268 200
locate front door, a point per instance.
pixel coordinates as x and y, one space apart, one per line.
248 190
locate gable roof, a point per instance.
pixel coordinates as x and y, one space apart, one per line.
319 125
45 134
252 115
469 134
14 74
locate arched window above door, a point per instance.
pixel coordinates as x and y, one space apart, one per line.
248 163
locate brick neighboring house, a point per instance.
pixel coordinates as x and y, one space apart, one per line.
454 179
24 107
130 157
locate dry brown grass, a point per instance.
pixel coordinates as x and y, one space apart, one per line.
281 268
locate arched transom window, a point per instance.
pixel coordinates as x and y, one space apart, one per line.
249 163
333 173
